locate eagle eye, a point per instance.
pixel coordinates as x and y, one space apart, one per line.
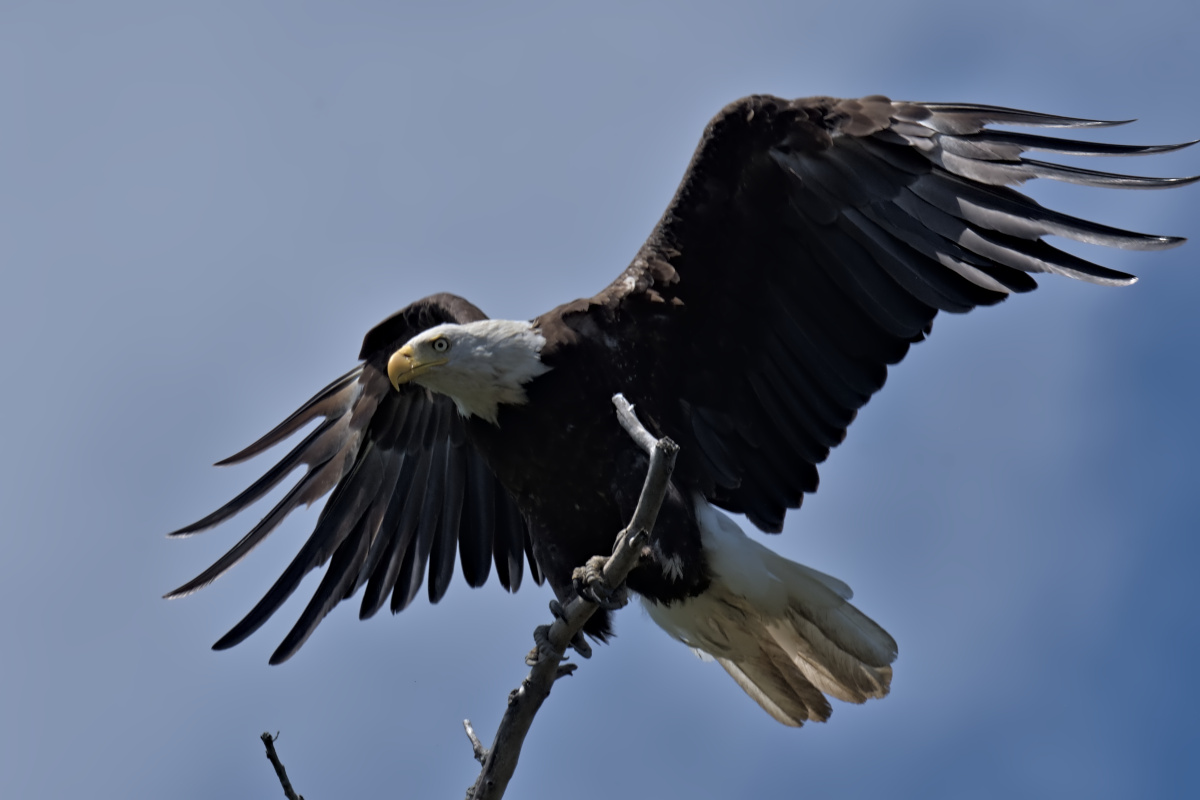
441 345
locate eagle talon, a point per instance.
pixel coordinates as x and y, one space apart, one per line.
580 645
542 646
591 585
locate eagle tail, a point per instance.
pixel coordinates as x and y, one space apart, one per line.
785 632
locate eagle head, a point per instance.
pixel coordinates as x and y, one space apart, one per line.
478 365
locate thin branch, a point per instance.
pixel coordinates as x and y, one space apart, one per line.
500 761
281 773
476 745
632 425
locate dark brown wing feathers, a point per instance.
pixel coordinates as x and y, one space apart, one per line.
408 490
810 243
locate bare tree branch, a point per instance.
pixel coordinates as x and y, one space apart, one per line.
281 773
632 425
476 745
500 761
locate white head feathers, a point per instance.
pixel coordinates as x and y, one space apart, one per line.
480 364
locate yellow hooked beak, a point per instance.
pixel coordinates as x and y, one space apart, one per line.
405 364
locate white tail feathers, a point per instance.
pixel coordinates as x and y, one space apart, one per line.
783 631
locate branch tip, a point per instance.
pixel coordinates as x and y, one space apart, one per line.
269 742
631 424
477 747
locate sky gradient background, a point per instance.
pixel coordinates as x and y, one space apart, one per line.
205 206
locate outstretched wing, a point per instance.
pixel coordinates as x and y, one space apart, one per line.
809 244
408 491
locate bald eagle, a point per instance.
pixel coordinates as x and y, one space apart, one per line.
810 243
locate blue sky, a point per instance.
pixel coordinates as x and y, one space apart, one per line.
205 206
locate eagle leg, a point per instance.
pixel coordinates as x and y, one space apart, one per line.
591 585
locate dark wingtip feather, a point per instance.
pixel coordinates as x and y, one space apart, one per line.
339 577
255 618
1099 123
1167 242
210 520
277 434
1071 147
230 639
188 530
1001 115
182 591
1153 149
1091 177
253 493
1158 183
1052 121
324 403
